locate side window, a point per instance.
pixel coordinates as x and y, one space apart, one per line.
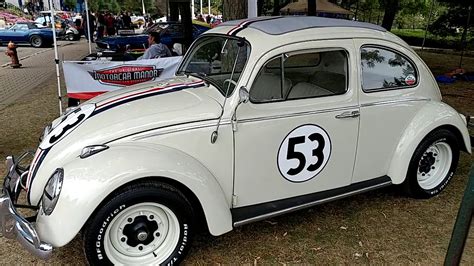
384 69
22 27
301 75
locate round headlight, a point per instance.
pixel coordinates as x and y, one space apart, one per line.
52 191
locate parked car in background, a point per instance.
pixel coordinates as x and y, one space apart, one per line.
170 32
265 116
27 32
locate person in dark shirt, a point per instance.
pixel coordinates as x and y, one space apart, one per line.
91 22
100 25
127 21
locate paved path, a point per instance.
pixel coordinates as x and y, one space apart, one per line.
37 68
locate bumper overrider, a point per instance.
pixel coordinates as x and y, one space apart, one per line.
12 224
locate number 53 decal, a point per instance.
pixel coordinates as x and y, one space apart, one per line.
304 153
71 122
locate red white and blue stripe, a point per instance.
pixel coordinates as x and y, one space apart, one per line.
100 107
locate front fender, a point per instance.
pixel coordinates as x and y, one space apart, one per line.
88 181
433 115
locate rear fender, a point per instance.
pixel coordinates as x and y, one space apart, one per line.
432 116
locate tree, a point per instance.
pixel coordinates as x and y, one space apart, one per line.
70 4
234 9
311 7
455 17
391 8
279 4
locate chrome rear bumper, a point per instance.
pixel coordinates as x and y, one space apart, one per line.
12 224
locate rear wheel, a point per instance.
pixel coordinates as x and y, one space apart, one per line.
432 165
36 41
143 224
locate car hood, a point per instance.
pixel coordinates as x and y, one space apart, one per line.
133 110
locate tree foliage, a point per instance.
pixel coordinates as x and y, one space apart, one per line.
454 18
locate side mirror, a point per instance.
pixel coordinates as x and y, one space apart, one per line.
244 95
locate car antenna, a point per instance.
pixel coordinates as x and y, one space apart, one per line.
215 134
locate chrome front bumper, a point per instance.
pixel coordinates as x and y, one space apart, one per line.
12 224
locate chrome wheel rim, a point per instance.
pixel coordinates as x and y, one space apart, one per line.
434 165
143 234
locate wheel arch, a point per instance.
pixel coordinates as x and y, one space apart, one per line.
433 116
188 193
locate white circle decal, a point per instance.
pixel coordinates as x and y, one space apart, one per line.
410 80
67 125
304 153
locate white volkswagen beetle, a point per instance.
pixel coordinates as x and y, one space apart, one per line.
265 117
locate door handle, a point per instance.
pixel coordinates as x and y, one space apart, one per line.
348 114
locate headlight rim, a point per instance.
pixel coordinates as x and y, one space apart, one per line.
53 200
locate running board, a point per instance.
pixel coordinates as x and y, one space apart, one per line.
262 211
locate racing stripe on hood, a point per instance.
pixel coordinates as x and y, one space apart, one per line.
145 94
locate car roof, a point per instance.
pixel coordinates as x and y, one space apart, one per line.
281 25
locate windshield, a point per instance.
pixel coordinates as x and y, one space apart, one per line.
217 59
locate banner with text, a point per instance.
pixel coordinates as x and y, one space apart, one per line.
87 79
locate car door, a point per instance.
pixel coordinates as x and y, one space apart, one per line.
298 133
389 96
22 33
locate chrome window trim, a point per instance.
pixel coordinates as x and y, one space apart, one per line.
386 48
395 101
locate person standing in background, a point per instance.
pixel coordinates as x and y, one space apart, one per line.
91 22
127 21
100 25
110 24
156 48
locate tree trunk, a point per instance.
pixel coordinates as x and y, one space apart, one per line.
311 7
391 9
260 7
276 8
234 9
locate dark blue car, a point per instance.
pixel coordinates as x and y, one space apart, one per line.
170 33
27 32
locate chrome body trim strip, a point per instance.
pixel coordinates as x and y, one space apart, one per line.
310 204
395 101
168 130
256 119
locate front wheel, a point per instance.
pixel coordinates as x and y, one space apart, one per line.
432 165
143 224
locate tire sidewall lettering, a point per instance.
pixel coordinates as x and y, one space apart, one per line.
100 235
175 256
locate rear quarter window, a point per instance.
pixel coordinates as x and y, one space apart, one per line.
385 69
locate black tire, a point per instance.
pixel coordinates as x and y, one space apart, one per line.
131 198
422 162
36 41
70 37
